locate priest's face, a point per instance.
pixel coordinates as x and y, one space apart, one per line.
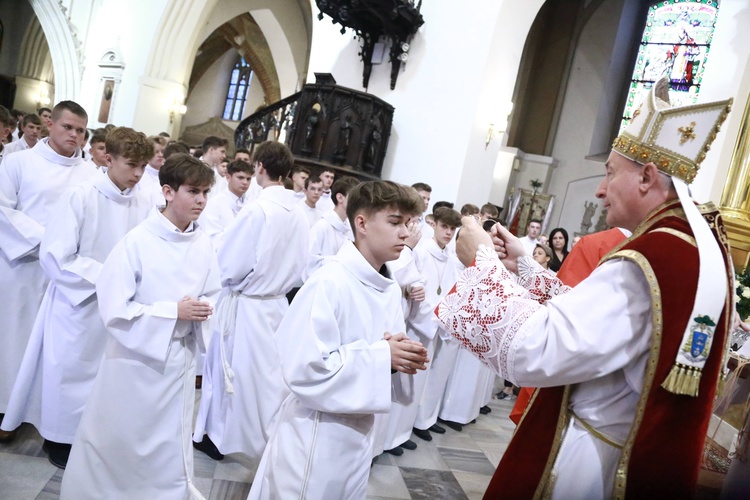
619 191
66 134
124 172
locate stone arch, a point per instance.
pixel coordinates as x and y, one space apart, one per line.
64 47
183 27
34 59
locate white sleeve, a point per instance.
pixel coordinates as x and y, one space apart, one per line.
324 374
146 329
238 250
593 330
20 234
74 275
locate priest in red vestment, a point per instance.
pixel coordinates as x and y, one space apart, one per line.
629 360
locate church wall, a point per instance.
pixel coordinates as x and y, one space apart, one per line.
15 17
588 89
209 95
460 73
727 74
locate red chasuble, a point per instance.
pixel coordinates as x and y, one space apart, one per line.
661 456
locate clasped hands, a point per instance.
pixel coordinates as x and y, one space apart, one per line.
407 356
507 246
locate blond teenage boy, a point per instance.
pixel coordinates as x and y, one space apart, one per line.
340 344
156 291
68 339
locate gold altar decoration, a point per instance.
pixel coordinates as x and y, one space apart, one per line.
735 204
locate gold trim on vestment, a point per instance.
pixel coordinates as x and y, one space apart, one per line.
653 359
594 431
547 483
674 232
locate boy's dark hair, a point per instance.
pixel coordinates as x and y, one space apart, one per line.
275 158
372 196
546 249
343 186
164 134
240 166
328 169
182 169
421 186
31 118
491 210
469 209
175 148
127 143
18 113
198 152
299 168
242 150
313 179
288 183
214 142
42 110
99 136
71 106
447 216
533 220
439 204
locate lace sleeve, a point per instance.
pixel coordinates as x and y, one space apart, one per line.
541 284
486 310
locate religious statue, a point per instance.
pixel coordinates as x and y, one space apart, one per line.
310 126
601 223
373 147
588 214
345 132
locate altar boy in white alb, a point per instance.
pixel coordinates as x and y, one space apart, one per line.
155 293
333 229
31 183
340 343
261 259
68 339
224 207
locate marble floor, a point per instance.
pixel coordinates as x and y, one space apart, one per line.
455 465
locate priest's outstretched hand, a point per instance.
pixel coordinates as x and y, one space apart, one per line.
508 247
470 236
407 355
193 310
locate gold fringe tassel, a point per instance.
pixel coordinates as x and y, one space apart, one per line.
683 380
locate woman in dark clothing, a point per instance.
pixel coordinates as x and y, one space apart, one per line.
558 240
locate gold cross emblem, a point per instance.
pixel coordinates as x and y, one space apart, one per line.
688 133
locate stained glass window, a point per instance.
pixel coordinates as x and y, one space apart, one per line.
675 43
239 81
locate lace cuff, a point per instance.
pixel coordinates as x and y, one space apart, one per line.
541 284
487 309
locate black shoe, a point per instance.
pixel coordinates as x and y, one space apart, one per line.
453 425
409 445
57 453
198 381
422 434
397 451
437 429
209 448
484 410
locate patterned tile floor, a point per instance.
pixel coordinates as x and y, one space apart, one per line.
455 465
